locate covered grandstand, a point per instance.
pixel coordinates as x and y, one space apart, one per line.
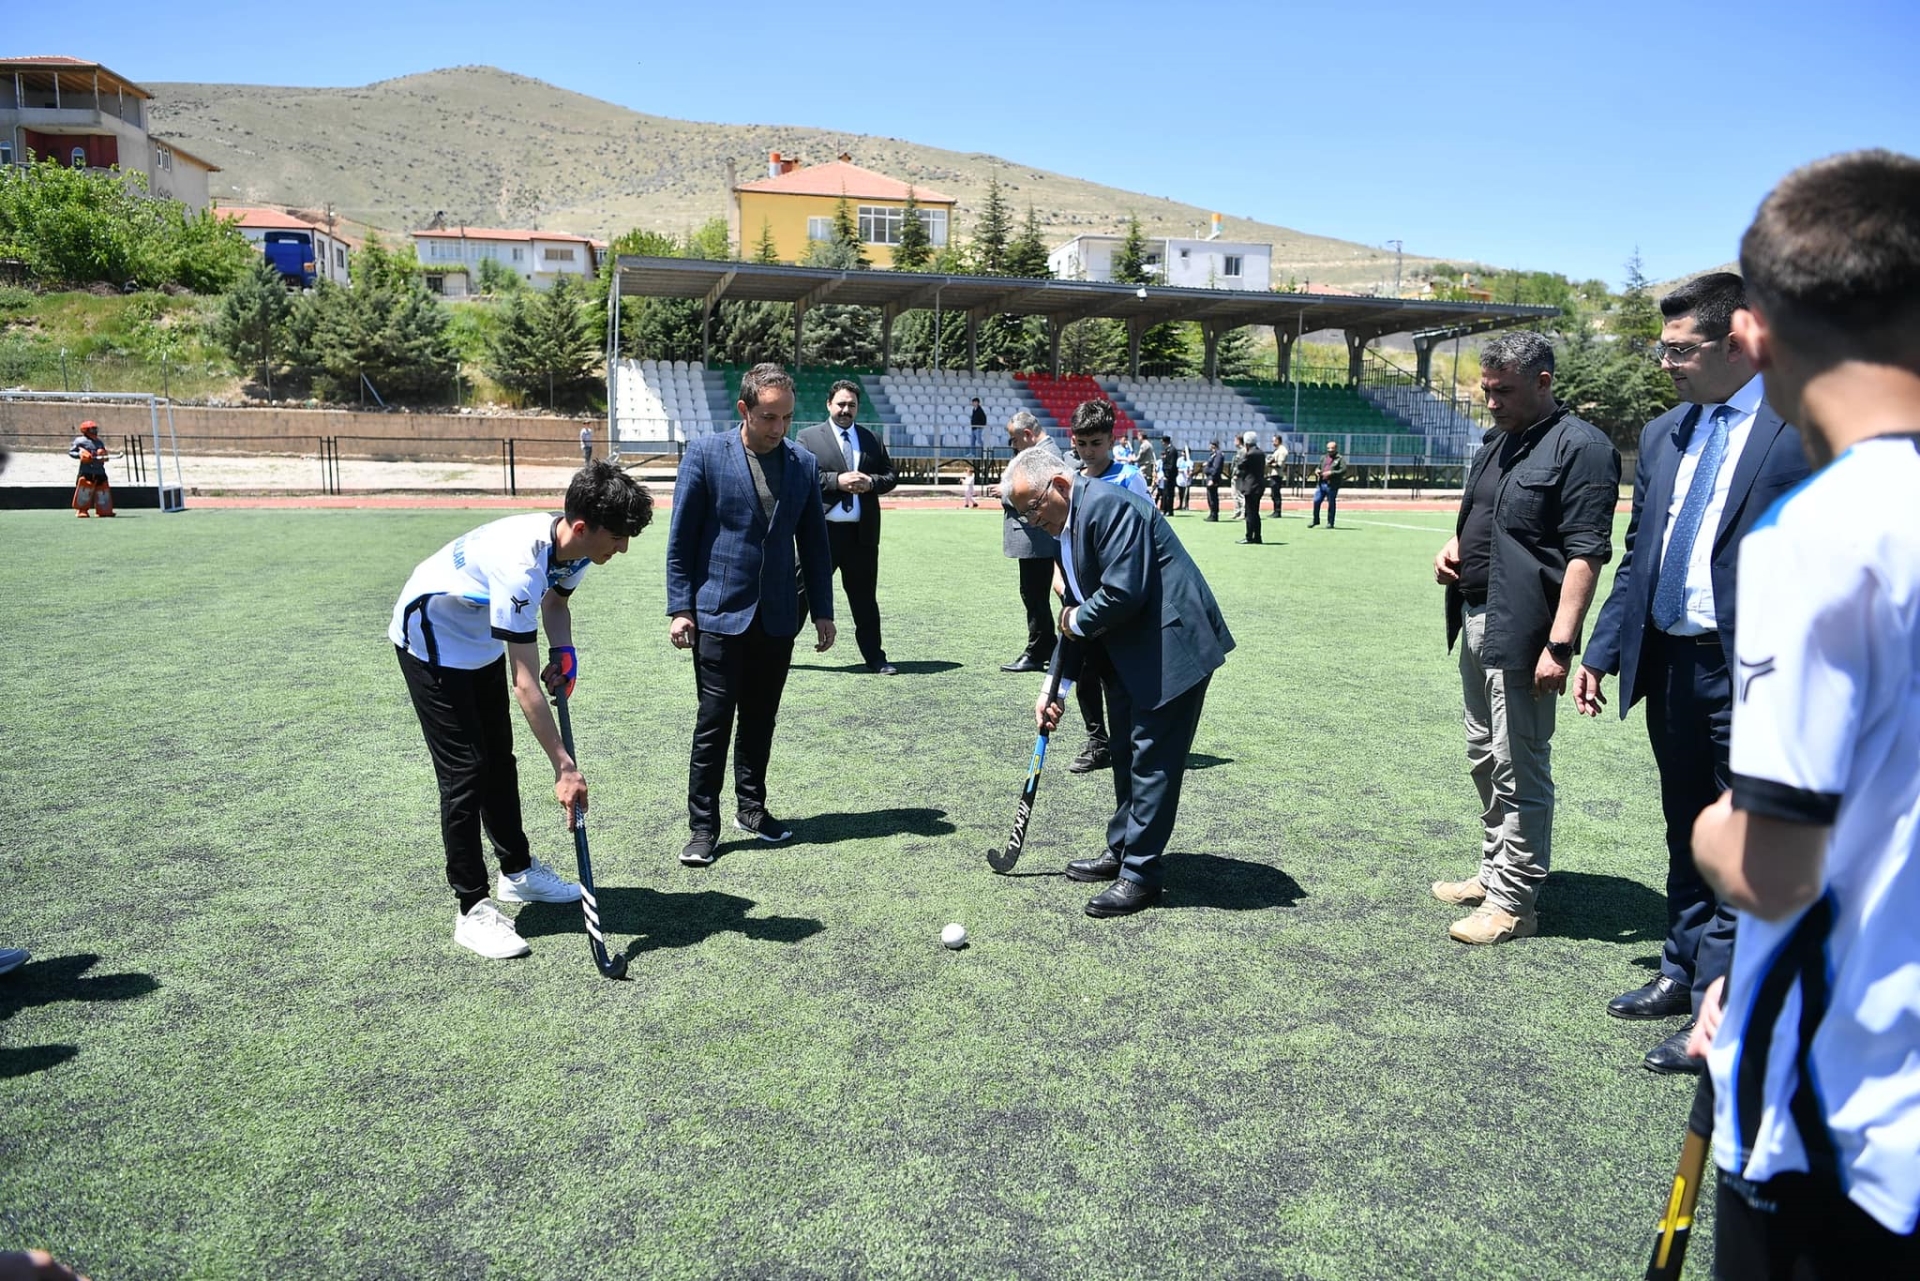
1381 421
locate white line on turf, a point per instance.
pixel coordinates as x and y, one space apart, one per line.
1387 524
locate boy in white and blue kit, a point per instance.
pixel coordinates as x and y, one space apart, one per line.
492 588
1815 1061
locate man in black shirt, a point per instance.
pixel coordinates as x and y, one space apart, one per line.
1535 526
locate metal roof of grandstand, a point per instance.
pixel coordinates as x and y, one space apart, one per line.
1063 300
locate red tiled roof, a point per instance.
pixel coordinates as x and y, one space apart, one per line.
837 177
270 219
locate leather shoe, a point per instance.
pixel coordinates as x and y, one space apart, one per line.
1104 868
1661 999
1121 898
1670 1056
1024 663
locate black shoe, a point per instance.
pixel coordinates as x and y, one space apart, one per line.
1121 898
699 851
1104 868
1670 1056
1213 519
1661 999
1313 525
1095 755
883 668
763 825
1243 542
1024 663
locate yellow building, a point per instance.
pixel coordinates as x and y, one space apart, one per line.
797 205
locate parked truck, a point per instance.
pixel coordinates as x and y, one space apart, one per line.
293 255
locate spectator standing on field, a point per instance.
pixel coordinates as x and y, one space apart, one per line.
502 584
1277 471
1333 474
1211 470
854 471
1184 479
1169 487
1249 478
586 444
746 512
977 427
1034 549
1535 526
91 493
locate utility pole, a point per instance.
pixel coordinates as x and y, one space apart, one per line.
1397 244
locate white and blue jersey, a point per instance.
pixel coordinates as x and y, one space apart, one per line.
1127 476
1816 1066
480 590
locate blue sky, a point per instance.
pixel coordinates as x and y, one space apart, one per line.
1555 136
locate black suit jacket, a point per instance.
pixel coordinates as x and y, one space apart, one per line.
1141 597
1771 463
1250 473
822 440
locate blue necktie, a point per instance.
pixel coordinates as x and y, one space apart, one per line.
1670 593
846 454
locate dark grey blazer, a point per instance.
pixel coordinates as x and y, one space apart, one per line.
1027 542
822 440
1141 596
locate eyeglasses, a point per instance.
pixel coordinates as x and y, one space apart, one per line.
1675 352
1032 509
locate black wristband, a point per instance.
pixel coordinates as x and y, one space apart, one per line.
1560 651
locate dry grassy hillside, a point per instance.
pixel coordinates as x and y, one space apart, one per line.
491 148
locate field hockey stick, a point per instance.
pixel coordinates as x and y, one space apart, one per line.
613 967
1003 861
1676 1225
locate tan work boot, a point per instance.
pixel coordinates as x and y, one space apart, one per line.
1489 924
1466 893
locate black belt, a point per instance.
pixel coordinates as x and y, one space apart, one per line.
1704 638
1474 599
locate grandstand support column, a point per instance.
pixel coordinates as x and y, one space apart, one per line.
1054 330
1210 339
887 314
973 343
1283 345
799 319
706 334
1356 355
1136 329
1423 345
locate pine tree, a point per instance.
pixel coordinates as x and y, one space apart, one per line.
990 233
253 316
746 333
1130 259
1027 256
766 252
915 249
846 233
546 344
1233 354
836 335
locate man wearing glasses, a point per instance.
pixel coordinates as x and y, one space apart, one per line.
1708 469
1137 605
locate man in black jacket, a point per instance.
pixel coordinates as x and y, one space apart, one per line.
1250 481
1212 468
854 472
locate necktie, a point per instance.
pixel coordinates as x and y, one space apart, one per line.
1670 592
846 452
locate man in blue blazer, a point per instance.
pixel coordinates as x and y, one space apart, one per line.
743 502
1708 469
1134 595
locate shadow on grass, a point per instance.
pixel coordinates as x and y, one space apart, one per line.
1230 884
61 978
658 920
907 667
831 829
1611 909
1206 760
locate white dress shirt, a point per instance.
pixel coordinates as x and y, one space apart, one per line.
1742 407
839 513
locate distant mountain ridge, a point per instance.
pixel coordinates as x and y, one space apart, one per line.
490 148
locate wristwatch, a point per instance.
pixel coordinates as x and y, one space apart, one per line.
1560 651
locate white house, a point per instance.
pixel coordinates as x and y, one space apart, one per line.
329 249
452 256
81 114
1187 263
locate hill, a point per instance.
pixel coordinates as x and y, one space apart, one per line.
491 148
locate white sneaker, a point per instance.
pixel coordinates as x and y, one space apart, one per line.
537 884
489 931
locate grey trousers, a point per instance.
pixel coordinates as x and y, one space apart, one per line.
1510 754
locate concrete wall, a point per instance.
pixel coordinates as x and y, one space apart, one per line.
207 430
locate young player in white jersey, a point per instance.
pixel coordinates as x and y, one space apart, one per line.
1815 1061
495 586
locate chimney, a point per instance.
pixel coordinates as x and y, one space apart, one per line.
1214 234
774 166
845 157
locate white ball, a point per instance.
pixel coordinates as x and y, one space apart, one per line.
954 936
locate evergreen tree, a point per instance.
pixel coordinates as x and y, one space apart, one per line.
1130 259
1233 355
746 333
1164 349
766 252
377 266
915 249
1097 346
1027 256
547 345
252 320
846 234
990 233
836 335
1636 320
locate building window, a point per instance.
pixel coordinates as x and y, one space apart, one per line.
517 251
551 254
880 224
164 159
935 221
6 153
1232 266
79 157
436 284
1183 255
819 229
340 257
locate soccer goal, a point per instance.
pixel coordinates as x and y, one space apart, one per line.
164 461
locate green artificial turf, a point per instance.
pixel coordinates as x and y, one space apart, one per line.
247 1045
